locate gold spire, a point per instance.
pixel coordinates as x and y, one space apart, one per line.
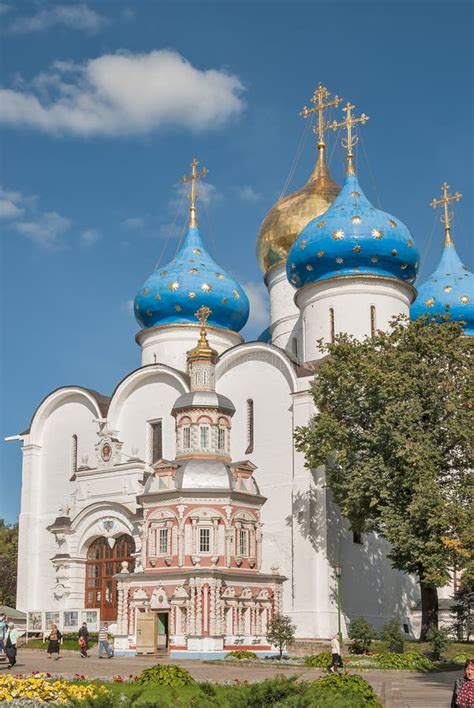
351 140
193 178
446 218
202 350
318 99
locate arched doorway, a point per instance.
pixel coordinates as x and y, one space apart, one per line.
102 563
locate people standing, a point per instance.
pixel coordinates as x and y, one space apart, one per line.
11 639
3 630
104 640
84 640
336 654
463 694
54 639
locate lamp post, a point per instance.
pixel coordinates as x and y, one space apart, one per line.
338 572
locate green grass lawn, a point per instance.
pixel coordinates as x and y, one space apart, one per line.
67 643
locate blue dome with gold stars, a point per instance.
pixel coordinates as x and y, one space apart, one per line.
448 294
352 238
174 292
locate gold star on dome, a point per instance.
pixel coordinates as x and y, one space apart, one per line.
192 295
464 299
321 224
356 219
157 296
303 244
447 288
355 194
149 313
377 233
409 243
146 291
178 308
404 266
309 266
224 301
320 254
174 285
339 259
338 234
221 276
375 259
206 287
357 248
236 294
197 251
394 252
193 271
392 223
430 302
163 272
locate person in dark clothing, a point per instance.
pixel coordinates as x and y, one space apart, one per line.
11 639
463 694
54 638
84 640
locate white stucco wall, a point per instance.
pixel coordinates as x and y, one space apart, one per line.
285 320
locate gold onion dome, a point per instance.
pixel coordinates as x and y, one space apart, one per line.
285 221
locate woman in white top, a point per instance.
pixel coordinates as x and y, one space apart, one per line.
336 654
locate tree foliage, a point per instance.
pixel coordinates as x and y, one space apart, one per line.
394 429
361 634
8 562
280 632
462 612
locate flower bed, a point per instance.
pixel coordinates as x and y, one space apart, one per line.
41 687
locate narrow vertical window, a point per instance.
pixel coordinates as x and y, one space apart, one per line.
155 441
294 347
186 437
204 540
332 327
250 427
221 439
163 541
74 454
373 323
204 432
243 537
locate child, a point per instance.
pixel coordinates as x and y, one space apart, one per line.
83 647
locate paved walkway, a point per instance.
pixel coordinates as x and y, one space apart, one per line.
398 689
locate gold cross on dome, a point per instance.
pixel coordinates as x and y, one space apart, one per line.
203 315
318 100
193 178
351 140
447 216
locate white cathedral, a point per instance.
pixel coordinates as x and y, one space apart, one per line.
176 508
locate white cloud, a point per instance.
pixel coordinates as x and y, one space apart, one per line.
123 94
127 307
134 222
248 194
45 230
77 17
259 308
4 8
9 204
89 237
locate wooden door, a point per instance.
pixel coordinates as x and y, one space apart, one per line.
103 562
146 633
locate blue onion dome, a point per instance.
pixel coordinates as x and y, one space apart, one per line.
352 238
448 294
173 293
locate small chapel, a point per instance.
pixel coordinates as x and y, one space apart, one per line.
176 507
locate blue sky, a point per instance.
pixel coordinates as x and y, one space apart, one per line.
105 106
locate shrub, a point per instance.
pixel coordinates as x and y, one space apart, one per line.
438 638
165 675
269 692
461 658
409 661
393 635
361 633
280 632
341 690
321 660
241 654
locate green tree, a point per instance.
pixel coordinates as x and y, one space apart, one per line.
8 562
394 429
280 632
361 633
462 612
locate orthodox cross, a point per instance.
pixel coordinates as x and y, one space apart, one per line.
193 178
318 99
203 314
351 140
446 218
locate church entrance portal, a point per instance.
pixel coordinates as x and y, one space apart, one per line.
103 561
152 632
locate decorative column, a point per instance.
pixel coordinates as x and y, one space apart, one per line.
258 541
228 545
199 591
194 537
181 545
212 608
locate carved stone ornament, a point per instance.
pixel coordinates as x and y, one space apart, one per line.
108 449
60 591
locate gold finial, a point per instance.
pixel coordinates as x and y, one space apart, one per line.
351 140
202 350
447 217
193 178
318 99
